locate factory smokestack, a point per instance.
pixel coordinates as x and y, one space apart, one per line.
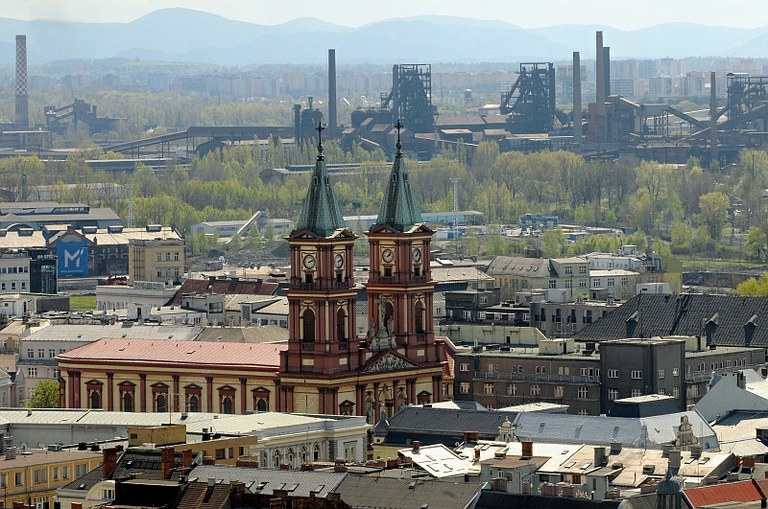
22 99
332 92
600 129
607 70
576 98
714 155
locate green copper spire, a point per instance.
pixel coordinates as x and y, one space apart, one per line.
320 213
399 209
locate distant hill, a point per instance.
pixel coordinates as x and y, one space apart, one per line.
193 36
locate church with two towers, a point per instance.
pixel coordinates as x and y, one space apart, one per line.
326 368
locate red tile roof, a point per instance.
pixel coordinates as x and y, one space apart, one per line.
143 351
740 491
223 286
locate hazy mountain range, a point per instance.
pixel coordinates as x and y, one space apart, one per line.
184 35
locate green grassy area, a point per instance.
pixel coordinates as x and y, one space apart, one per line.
82 302
703 264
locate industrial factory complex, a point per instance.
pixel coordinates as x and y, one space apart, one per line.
540 107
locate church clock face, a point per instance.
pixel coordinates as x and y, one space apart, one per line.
338 261
416 255
387 255
309 262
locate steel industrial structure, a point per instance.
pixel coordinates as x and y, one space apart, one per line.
59 119
411 97
530 100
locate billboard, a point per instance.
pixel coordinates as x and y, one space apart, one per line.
73 258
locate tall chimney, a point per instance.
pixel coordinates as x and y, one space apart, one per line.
186 458
332 120
167 461
576 98
599 88
607 70
713 156
527 449
22 99
109 462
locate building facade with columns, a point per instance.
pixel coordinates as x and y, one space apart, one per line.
142 375
325 367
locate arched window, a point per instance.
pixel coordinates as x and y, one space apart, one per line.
95 399
227 406
127 402
341 324
161 403
290 457
315 452
94 388
308 328
277 459
419 317
260 399
303 454
194 403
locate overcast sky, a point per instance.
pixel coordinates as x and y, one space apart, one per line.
622 14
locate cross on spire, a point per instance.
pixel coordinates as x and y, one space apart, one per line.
398 145
319 130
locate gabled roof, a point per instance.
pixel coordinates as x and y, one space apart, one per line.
737 433
92 332
142 351
320 213
726 320
371 492
650 432
199 495
321 483
520 267
252 334
399 209
440 425
223 286
500 499
740 491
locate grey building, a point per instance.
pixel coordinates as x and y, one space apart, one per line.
555 371
589 377
635 367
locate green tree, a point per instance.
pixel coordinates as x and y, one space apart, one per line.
553 243
757 243
714 213
45 395
753 287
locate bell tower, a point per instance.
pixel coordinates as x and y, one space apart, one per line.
400 287
321 292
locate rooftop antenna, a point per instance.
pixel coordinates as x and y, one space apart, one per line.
455 181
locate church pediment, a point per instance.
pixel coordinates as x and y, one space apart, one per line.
343 233
383 229
303 235
388 362
421 228
388 230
